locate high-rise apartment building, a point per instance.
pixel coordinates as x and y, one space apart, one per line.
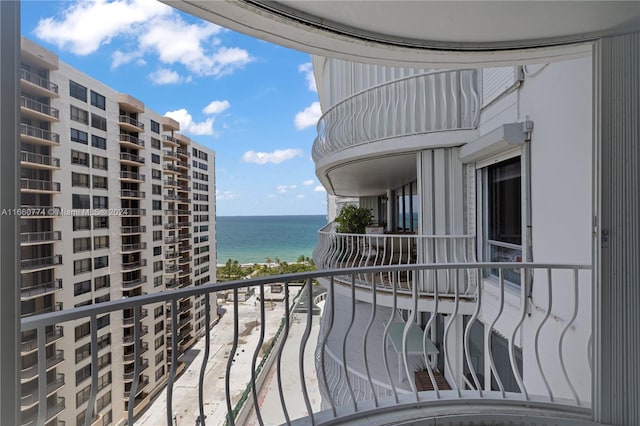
110 192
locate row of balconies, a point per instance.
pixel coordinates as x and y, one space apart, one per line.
134 265
136 282
134 176
133 229
36 185
51 411
130 124
131 158
40 262
31 399
132 193
127 248
27 346
50 89
27 238
37 135
31 371
42 289
31 107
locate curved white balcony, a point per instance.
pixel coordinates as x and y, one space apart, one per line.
394 119
551 390
337 251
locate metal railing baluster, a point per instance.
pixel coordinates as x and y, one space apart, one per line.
344 342
303 345
364 340
254 390
174 359
205 359
232 354
536 340
512 352
564 332
467 331
279 361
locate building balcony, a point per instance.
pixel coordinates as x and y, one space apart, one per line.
184 177
183 152
31 399
184 188
132 176
338 251
129 320
183 224
38 161
50 412
129 248
130 266
130 124
185 259
171 255
37 85
132 193
170 168
171 269
128 230
37 110
39 186
144 381
171 183
171 240
57 306
130 357
40 263
169 141
36 135
130 141
30 372
137 282
171 283
129 375
182 164
382 127
27 346
185 271
46 237
182 237
369 356
170 155
38 290
129 340
128 158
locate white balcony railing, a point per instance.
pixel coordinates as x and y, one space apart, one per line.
547 388
337 250
418 104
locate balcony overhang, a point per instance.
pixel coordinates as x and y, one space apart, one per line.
427 34
503 138
348 172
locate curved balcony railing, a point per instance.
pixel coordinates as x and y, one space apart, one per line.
39 185
125 119
424 103
131 139
550 387
337 250
127 156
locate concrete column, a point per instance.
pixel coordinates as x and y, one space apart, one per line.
616 343
9 196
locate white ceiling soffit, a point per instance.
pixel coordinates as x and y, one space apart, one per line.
425 33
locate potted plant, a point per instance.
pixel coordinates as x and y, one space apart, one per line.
353 219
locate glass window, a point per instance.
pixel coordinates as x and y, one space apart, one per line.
77 91
155 158
98 100
82 287
156 189
102 282
81 265
80 158
100 242
100 222
98 122
98 142
155 126
79 136
99 162
81 223
100 202
81 244
503 215
79 115
80 201
80 179
100 262
100 182
155 143
156 174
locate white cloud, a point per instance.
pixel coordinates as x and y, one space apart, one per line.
216 107
284 188
308 117
86 25
319 188
300 196
308 182
307 69
149 27
226 195
275 157
165 76
188 125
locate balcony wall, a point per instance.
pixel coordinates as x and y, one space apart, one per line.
394 119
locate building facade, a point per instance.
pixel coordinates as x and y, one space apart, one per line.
110 191
487 165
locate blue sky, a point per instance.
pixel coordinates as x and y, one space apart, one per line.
254 103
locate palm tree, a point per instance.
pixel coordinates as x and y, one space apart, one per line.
301 259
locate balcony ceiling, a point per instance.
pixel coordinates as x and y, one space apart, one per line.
426 33
356 178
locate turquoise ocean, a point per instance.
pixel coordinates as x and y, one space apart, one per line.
253 239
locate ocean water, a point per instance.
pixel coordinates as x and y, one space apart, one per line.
253 239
